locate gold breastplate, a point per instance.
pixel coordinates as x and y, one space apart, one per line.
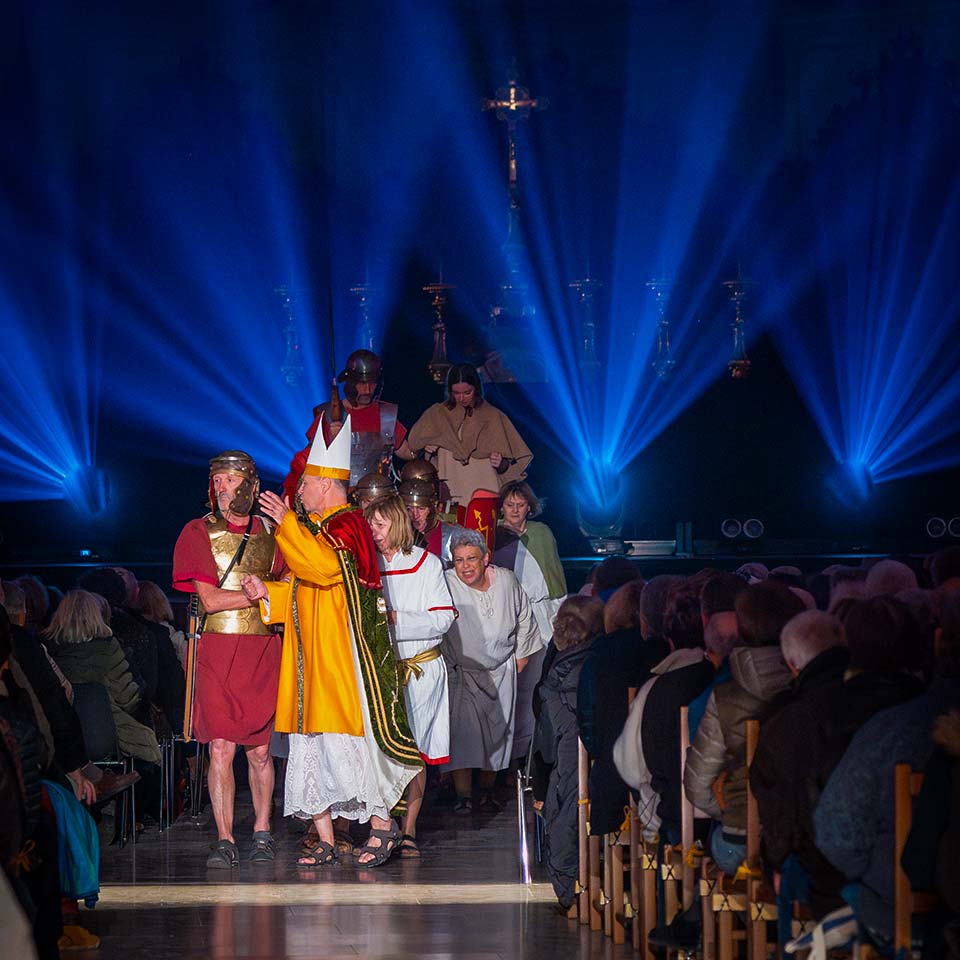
257 558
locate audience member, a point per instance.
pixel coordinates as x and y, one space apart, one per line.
888 577
88 652
618 661
577 624
846 583
786 768
37 610
854 819
715 775
154 605
945 566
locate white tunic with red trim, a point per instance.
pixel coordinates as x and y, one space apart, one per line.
414 586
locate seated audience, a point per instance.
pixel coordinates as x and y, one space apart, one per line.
715 774
789 757
618 661
683 625
154 605
88 652
577 624
854 820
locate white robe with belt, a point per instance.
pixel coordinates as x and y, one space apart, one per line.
414 587
495 627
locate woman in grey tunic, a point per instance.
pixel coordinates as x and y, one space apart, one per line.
484 649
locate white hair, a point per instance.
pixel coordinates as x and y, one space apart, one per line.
469 538
809 634
889 577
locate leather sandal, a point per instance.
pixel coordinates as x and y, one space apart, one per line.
408 848
223 856
264 849
322 854
381 854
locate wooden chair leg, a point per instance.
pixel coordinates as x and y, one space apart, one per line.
583 832
709 934
635 877
616 857
647 916
607 885
670 900
724 935
596 917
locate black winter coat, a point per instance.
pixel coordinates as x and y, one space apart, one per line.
617 662
556 740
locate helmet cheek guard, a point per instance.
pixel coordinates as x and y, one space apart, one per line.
237 464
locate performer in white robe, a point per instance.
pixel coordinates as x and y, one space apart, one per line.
419 611
489 643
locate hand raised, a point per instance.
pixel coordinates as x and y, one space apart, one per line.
275 508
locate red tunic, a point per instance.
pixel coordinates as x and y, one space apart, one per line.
237 675
362 420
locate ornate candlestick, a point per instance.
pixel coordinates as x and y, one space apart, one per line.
439 364
739 362
292 367
663 363
589 363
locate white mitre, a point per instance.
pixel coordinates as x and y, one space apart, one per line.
330 461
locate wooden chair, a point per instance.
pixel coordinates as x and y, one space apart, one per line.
761 900
906 900
583 822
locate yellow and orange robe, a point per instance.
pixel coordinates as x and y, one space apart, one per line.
337 669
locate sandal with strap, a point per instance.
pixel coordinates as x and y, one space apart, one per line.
309 838
223 856
322 854
264 849
381 854
408 848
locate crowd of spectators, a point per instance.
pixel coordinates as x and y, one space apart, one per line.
53 647
850 671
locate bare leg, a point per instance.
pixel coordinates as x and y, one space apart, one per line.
260 770
463 782
222 787
324 825
488 780
414 802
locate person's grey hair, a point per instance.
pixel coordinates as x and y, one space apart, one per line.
469 538
14 600
809 634
890 577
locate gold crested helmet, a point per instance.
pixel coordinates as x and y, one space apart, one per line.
239 464
418 470
370 487
419 493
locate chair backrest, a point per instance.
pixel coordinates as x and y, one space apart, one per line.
92 703
906 785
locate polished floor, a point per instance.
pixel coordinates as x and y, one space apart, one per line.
462 899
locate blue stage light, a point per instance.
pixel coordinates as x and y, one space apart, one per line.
873 337
88 489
